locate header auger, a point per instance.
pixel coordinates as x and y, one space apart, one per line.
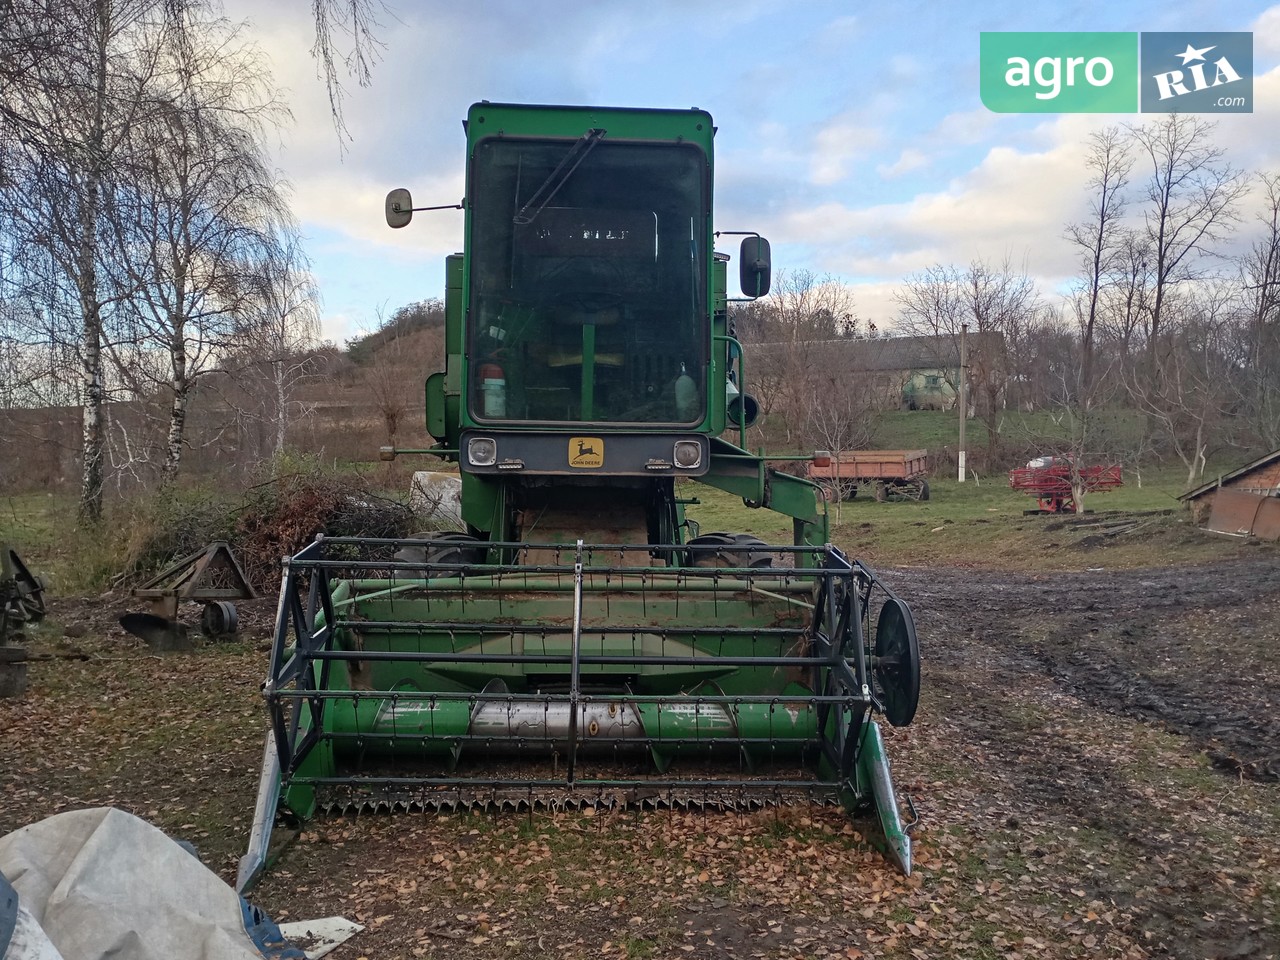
582 643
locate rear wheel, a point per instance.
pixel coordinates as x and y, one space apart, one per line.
447 547
730 550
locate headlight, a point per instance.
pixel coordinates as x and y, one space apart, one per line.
688 454
482 451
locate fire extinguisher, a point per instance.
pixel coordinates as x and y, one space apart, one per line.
493 388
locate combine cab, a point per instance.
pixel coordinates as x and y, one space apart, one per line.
582 644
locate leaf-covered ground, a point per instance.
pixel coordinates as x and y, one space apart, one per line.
1095 759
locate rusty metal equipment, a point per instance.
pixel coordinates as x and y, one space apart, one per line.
211 576
21 604
890 474
21 593
1240 513
1050 479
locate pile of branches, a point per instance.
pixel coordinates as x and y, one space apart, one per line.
284 515
272 520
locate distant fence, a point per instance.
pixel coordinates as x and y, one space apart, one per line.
40 449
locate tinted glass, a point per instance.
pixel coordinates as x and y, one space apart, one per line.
587 282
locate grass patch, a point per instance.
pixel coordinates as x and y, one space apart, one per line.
983 524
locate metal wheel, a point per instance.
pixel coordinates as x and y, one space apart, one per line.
219 618
897 662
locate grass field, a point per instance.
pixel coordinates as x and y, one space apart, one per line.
983 524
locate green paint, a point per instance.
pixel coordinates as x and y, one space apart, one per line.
1059 72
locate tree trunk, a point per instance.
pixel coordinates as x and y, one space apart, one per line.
91 474
91 361
282 408
87 286
180 384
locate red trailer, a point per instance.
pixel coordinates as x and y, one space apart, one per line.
1048 479
891 474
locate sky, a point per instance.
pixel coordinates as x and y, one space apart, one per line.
852 136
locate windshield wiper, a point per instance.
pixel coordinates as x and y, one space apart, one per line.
559 176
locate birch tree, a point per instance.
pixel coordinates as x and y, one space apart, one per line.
200 217
67 121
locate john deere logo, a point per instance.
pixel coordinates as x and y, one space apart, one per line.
586 453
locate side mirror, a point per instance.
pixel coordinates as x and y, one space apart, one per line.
753 266
742 410
400 208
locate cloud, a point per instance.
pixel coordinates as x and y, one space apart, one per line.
836 146
1266 33
806 116
908 160
1013 204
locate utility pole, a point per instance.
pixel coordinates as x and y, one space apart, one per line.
964 402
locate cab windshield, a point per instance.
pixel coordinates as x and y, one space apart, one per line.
588 299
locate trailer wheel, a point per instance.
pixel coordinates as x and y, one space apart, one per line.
219 618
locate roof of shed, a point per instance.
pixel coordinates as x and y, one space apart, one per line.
1263 461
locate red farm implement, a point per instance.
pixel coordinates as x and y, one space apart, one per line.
1049 481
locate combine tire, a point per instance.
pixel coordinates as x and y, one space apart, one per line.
447 547
731 552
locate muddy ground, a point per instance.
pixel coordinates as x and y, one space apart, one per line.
1095 758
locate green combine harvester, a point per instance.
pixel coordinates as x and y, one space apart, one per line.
583 644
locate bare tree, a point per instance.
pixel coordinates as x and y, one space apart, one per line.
1191 199
841 413
794 325
1126 300
69 113
282 332
1260 290
997 304
357 22
1098 240
393 359
1185 391
199 217
1100 244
